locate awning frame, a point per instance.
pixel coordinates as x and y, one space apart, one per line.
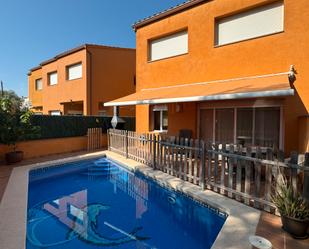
245 95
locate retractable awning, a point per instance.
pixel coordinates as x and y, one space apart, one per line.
248 87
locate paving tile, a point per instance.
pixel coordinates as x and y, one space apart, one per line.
269 227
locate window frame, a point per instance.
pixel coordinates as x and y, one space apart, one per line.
236 107
250 9
53 111
35 84
149 42
160 109
72 65
48 78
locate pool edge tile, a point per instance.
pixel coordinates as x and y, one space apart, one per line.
241 222
239 225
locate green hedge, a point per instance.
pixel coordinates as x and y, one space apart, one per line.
73 126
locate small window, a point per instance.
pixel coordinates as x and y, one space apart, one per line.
254 23
52 78
160 118
55 113
38 84
74 71
168 46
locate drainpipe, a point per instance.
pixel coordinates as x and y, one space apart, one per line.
90 82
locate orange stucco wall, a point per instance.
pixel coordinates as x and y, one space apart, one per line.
108 73
205 62
44 147
113 72
35 95
65 90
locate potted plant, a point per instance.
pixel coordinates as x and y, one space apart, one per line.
294 210
15 126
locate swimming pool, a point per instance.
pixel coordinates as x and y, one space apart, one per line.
97 203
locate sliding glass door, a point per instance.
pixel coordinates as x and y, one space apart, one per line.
224 128
258 126
267 127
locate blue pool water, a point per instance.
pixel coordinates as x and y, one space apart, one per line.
99 204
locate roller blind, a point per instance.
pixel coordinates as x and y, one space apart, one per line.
168 46
74 71
257 22
53 78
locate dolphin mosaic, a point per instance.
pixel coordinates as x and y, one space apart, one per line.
84 226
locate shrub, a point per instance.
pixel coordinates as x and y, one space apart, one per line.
72 126
15 123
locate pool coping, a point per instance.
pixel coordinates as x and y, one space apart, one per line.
241 222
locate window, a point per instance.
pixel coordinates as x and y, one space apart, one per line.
258 126
38 84
244 130
267 127
52 78
257 22
55 113
168 46
207 124
74 71
224 125
160 118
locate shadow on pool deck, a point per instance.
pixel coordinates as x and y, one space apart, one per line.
269 225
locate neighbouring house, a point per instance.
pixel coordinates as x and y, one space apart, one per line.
79 81
222 70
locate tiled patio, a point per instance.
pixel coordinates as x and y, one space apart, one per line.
269 225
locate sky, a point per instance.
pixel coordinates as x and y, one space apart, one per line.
32 31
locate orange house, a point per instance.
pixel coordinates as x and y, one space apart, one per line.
79 81
225 71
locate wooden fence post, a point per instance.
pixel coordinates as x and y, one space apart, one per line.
306 178
126 144
209 158
294 160
239 164
202 174
154 146
268 179
248 176
231 161
257 173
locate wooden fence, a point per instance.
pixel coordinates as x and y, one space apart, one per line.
94 141
247 174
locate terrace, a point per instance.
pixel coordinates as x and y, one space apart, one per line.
204 172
